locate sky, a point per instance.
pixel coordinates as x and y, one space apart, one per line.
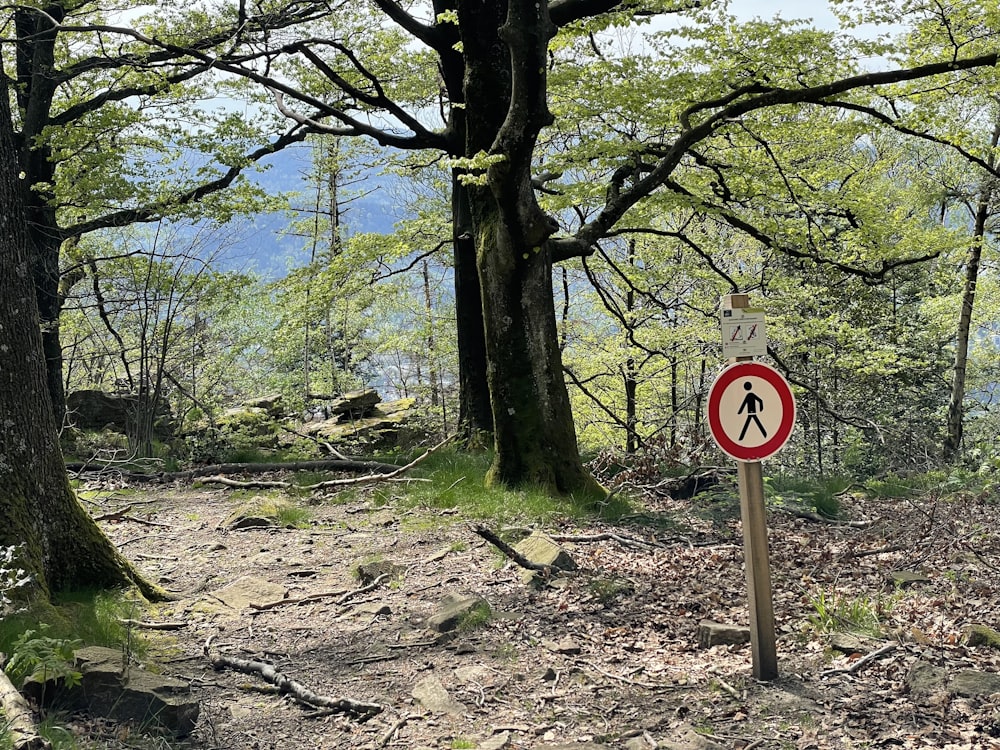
818 10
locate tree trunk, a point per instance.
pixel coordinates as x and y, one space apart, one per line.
62 546
35 59
956 412
534 437
475 415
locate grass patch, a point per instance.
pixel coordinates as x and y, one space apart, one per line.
458 480
475 617
285 512
836 613
95 617
819 494
892 487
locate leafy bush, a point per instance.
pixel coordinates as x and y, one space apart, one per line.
43 657
12 578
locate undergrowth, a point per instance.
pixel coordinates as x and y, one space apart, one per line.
818 494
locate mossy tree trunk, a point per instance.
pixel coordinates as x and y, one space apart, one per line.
505 47
62 546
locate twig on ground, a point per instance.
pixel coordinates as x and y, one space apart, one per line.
509 551
862 662
605 537
629 681
386 737
344 596
360 710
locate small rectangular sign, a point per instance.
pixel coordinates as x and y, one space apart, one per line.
743 333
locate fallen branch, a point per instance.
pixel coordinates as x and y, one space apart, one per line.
809 515
509 551
390 475
606 536
322 443
19 725
353 481
326 464
122 515
146 625
360 710
854 554
862 662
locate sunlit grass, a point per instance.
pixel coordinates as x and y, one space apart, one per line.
458 481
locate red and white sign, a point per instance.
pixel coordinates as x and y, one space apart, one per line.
751 411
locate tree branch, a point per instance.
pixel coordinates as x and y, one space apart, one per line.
750 99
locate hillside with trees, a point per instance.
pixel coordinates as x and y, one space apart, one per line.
572 186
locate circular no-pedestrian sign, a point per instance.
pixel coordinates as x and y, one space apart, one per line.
751 411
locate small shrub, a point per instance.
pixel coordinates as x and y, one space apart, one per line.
43 657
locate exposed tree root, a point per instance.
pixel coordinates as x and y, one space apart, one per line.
360 710
20 725
342 596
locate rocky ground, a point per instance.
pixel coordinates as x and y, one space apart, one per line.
604 656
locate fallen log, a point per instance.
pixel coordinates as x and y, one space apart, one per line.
328 464
330 483
20 725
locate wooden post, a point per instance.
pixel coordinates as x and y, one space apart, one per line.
755 550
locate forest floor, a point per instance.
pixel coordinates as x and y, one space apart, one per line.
604 656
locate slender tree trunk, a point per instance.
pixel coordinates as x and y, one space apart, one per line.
631 374
62 546
475 415
956 412
432 374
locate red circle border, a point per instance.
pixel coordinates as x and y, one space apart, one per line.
777 381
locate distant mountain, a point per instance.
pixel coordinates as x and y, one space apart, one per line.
267 247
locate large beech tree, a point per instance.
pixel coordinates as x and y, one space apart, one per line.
493 61
59 543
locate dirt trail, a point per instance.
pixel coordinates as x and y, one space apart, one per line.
606 655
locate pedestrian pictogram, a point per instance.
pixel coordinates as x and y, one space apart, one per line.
750 405
751 411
